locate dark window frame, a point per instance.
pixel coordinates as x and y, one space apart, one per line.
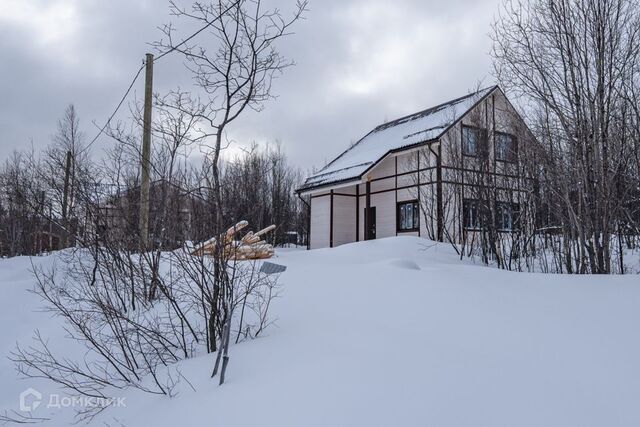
481 142
477 226
416 218
512 155
514 211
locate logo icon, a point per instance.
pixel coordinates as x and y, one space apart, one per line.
30 399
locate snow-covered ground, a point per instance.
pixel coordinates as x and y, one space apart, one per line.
393 332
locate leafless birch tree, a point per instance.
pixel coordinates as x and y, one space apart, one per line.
574 63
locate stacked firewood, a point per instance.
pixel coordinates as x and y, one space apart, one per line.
251 246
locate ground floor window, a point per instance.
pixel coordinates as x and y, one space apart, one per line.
471 214
408 216
506 215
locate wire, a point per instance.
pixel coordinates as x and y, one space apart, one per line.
196 33
162 55
117 108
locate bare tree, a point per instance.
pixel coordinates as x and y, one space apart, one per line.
259 186
575 64
234 67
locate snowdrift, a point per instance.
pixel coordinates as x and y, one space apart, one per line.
392 332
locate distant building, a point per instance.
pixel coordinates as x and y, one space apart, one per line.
176 215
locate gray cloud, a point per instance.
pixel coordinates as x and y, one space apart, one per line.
359 62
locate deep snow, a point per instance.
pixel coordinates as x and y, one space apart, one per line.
391 332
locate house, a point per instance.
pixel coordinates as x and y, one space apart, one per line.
444 173
174 215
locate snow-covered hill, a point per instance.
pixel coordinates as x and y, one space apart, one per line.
395 332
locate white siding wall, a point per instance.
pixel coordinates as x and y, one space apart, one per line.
344 220
385 204
320 212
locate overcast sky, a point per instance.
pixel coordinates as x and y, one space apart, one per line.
359 63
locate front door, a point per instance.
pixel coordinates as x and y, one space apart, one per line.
370 223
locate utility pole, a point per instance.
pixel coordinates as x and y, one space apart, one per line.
146 154
65 201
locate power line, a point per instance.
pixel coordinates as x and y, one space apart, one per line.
117 107
217 18
162 55
184 41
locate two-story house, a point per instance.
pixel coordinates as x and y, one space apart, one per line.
444 173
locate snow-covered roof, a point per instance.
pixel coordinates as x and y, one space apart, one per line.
396 135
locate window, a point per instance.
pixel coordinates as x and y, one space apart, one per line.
472 140
506 215
471 214
506 147
408 216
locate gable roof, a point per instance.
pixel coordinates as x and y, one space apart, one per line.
403 133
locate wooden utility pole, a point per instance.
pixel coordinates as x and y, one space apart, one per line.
51 229
65 201
146 154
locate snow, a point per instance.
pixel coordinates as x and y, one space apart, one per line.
21 313
395 331
423 126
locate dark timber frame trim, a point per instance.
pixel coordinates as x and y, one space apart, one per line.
357 212
439 182
367 217
331 222
395 186
418 172
404 187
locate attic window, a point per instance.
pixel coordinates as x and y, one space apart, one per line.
473 139
506 147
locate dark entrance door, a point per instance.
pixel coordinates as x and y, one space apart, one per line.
370 223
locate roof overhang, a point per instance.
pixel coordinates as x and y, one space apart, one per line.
329 186
361 178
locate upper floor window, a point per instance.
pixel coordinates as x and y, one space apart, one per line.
506 147
408 216
472 140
